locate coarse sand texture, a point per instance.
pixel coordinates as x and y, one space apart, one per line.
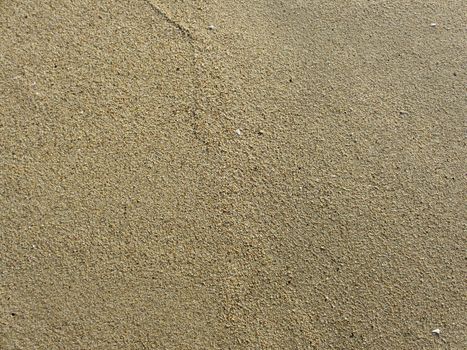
233 174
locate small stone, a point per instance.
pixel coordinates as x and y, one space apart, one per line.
433 24
211 27
238 132
403 112
436 332
261 132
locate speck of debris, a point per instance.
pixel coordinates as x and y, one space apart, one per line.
261 132
211 27
436 332
433 24
238 132
403 112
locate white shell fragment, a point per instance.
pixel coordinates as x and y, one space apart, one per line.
433 24
238 132
211 27
436 332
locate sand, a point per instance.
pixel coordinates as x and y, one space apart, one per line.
233 174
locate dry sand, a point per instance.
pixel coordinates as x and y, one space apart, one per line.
292 177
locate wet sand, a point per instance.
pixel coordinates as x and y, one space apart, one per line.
233 174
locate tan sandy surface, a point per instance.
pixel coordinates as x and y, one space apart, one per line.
293 178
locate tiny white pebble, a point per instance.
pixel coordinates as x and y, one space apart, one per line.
435 331
433 24
211 27
238 132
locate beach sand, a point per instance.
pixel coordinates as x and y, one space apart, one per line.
233 174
